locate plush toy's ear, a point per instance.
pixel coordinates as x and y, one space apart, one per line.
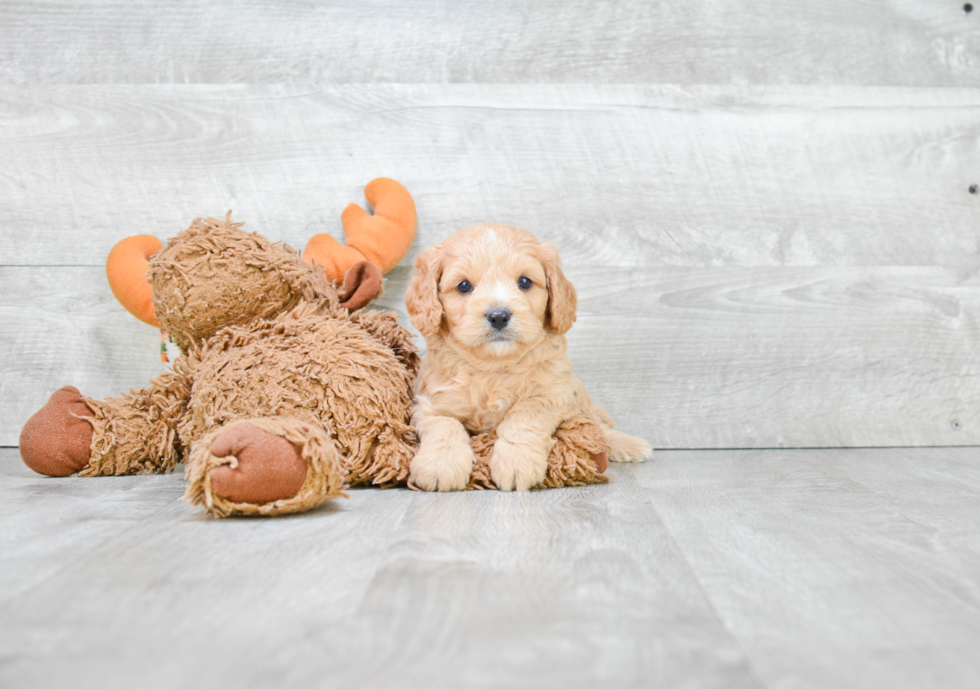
126 269
361 284
562 298
422 296
383 238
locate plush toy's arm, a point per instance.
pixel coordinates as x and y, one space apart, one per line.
384 326
131 434
383 238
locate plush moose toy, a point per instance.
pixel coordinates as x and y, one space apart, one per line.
283 393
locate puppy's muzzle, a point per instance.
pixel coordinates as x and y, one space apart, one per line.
499 318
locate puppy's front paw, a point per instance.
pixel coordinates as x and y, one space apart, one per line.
627 448
516 468
441 466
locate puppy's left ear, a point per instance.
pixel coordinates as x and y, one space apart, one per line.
562 298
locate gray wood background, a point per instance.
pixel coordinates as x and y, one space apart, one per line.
764 205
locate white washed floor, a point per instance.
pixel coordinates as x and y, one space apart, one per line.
761 568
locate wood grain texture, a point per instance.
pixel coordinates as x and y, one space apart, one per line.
572 587
618 175
685 357
62 326
883 42
772 568
786 357
850 568
787 247
49 524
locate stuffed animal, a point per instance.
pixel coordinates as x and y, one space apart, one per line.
283 394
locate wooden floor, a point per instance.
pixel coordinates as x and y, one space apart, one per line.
752 568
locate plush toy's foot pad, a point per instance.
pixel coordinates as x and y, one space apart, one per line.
269 467
57 440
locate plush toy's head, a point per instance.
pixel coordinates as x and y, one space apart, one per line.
213 275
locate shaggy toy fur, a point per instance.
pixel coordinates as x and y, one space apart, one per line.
269 355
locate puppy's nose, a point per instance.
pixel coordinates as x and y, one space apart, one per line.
499 318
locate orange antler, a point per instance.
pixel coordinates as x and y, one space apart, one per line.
383 238
126 268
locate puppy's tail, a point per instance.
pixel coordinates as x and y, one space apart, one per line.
622 447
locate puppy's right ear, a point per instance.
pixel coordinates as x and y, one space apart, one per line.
422 297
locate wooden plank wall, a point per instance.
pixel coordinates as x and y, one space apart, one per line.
765 205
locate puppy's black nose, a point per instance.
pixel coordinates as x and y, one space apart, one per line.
499 318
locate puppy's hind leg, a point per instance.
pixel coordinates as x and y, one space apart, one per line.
622 447
627 448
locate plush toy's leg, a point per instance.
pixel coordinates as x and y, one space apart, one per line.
137 433
56 441
385 237
267 467
579 455
120 435
264 466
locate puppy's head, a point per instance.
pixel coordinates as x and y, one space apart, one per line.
493 289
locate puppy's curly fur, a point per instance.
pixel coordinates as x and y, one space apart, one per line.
494 307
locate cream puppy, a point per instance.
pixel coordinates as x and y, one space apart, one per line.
494 306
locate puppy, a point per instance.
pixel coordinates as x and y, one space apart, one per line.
494 306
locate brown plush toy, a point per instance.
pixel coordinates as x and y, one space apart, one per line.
578 457
283 393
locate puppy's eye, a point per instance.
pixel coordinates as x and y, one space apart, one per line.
464 287
525 283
